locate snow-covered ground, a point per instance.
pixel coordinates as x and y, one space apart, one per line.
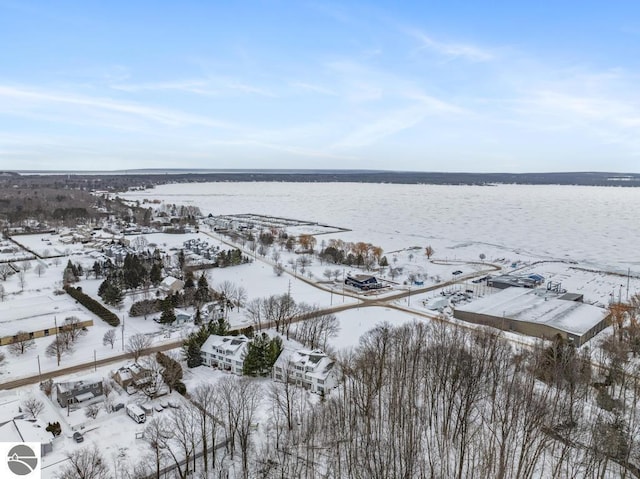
593 225
566 234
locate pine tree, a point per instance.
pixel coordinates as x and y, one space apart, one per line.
168 315
273 351
219 327
255 360
155 275
202 292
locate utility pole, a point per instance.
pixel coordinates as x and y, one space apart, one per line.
39 370
628 275
123 333
55 322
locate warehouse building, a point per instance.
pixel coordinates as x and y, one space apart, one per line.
536 312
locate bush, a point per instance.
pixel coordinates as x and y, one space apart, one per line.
54 428
181 388
145 307
92 305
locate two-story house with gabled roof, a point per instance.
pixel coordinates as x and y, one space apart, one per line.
225 352
313 370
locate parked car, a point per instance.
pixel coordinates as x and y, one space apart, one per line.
78 437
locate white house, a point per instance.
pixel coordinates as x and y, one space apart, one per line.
313 370
225 352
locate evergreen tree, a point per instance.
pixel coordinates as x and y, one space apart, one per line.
192 345
255 360
188 280
97 269
168 315
219 327
155 275
112 294
202 292
273 351
262 353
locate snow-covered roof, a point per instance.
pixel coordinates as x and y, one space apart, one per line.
72 385
169 281
538 306
24 430
315 363
37 312
230 346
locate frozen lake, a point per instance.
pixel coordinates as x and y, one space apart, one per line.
596 226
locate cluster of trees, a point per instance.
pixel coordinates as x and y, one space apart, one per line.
218 419
427 400
353 254
262 353
232 257
136 271
193 294
71 273
281 312
68 333
171 373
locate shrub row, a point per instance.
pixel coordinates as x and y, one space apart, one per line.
92 305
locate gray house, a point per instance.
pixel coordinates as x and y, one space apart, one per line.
78 391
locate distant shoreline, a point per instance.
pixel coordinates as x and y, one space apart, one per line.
147 178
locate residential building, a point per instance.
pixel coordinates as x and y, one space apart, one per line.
27 430
131 377
313 370
78 391
171 285
225 352
363 281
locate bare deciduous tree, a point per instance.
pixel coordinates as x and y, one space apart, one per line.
5 271
32 406
85 463
40 268
157 433
137 344
109 338
92 410
429 251
22 342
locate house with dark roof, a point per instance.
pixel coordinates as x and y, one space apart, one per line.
363 282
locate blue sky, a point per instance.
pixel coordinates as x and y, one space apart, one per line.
426 86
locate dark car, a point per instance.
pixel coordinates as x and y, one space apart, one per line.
78 437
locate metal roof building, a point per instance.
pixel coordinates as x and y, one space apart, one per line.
536 312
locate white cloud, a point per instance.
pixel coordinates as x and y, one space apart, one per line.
208 87
451 49
33 99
